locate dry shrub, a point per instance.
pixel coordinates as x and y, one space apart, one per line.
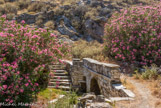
40 20
34 7
156 88
10 8
38 7
22 4
82 49
92 13
59 11
68 2
50 24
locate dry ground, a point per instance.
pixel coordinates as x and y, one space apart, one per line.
145 97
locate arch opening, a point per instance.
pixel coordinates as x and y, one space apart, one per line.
94 87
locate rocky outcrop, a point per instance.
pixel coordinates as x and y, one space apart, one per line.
64 27
94 29
31 18
83 19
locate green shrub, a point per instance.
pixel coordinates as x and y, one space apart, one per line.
68 101
10 16
150 72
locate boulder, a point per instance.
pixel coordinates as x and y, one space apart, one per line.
94 29
63 29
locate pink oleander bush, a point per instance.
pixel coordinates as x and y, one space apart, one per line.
25 54
134 35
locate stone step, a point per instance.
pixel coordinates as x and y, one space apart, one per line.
60 80
60 83
60 87
59 71
60 77
61 74
57 67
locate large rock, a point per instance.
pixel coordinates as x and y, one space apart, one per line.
94 29
65 28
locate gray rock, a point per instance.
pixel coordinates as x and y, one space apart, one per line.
63 29
100 105
93 29
100 98
89 38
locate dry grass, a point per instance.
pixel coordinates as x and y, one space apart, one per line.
83 49
10 8
127 84
50 24
158 104
155 86
23 4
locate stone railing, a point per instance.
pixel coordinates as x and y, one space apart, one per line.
111 71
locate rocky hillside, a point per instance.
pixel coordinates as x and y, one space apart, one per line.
74 18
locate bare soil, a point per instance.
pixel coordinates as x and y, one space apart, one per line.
144 97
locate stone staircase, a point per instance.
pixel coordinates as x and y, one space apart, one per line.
61 79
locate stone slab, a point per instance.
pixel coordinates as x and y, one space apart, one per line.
120 99
118 86
129 93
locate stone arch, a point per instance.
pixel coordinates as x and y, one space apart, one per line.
94 87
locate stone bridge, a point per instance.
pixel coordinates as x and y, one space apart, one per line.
92 76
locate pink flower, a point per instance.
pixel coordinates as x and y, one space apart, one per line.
35 36
21 90
4 16
5 87
23 22
36 84
11 101
26 84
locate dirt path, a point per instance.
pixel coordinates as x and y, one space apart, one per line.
143 98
